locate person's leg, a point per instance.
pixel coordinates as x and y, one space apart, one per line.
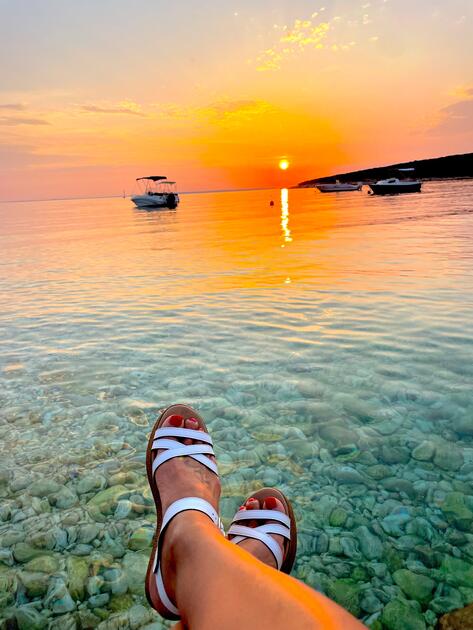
219 585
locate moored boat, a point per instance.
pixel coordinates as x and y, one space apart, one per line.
396 186
158 192
338 187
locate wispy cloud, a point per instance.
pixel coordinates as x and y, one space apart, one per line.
236 110
12 121
124 107
456 118
18 107
320 31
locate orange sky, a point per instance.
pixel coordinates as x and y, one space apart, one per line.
214 96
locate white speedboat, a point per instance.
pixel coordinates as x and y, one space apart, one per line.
338 187
396 186
158 192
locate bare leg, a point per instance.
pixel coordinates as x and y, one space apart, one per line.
218 585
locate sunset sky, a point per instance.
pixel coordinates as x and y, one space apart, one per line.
213 94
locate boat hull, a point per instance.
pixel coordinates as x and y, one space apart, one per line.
396 189
332 188
169 201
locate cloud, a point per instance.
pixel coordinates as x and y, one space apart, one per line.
235 111
11 121
456 118
14 106
124 107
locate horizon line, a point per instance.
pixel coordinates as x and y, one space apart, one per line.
186 192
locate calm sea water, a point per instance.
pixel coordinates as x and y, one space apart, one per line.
328 341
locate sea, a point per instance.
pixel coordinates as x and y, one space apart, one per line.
327 340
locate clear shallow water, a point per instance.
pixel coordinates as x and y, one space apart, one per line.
328 341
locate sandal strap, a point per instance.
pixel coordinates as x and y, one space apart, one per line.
181 505
172 448
174 432
262 515
262 533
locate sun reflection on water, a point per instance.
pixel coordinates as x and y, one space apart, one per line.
285 216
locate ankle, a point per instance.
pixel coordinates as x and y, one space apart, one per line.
184 534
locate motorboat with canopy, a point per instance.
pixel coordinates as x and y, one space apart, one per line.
157 192
406 183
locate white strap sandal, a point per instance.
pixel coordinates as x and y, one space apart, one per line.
160 440
284 526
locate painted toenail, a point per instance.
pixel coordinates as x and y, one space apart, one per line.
271 503
175 420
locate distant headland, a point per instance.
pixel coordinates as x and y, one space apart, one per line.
448 167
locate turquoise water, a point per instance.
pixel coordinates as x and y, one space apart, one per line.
326 339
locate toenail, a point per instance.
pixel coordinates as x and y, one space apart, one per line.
271 503
175 420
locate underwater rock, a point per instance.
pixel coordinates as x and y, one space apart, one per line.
448 457
43 488
338 517
98 601
456 572
105 502
23 552
370 545
378 471
457 620
36 584
322 509
65 498
370 603
402 615
463 425
58 598
134 566
395 484
89 483
28 618
337 435
43 564
418 587
119 603
456 511
138 616
88 532
115 581
394 454
393 523
346 593
346 475
141 539
424 451
78 572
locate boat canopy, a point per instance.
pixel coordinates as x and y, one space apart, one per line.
153 178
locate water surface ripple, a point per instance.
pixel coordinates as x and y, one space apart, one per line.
327 340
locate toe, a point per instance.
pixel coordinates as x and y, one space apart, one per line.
272 503
191 423
252 504
174 421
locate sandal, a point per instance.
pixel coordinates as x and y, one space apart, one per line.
160 438
286 527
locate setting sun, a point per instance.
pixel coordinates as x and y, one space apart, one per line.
283 164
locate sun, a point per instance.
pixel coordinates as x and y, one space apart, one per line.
283 164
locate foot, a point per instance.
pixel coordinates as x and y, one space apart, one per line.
178 478
255 547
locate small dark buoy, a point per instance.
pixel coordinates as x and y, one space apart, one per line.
271 203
